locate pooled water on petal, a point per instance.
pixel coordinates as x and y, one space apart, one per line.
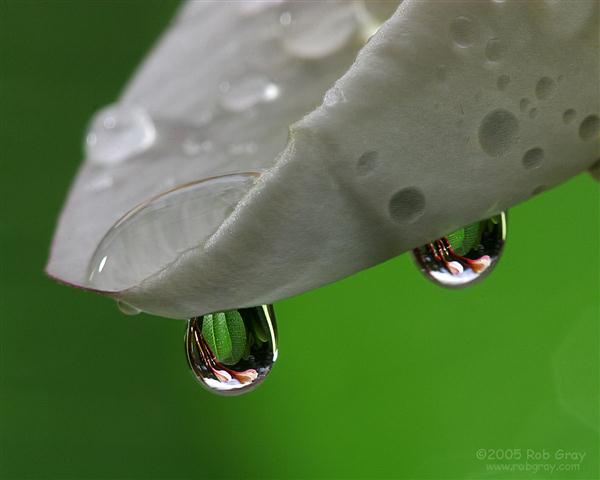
152 235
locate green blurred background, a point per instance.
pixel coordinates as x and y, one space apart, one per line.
381 375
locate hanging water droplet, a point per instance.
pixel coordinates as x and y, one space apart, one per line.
465 255
126 308
231 352
116 133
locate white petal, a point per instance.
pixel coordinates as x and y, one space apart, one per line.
426 132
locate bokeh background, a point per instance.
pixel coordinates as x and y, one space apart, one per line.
381 375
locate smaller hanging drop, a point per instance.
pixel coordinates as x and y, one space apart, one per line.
464 256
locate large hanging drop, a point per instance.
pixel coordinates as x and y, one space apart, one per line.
464 256
231 352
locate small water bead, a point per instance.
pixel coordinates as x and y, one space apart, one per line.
533 113
569 115
464 256
101 183
232 352
544 88
533 158
154 234
589 128
248 92
464 31
320 30
127 309
524 104
407 205
502 82
117 133
285 19
495 50
192 146
498 132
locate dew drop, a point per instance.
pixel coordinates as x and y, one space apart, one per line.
498 132
523 104
285 19
367 163
464 31
232 352
495 50
127 309
117 133
464 256
533 158
407 205
533 113
502 82
319 31
569 115
248 92
589 128
151 236
101 183
544 88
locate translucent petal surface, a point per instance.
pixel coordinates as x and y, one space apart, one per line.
453 112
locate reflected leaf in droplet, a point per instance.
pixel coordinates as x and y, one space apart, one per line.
231 352
117 133
153 235
464 256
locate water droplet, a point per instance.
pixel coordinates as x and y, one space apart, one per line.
464 31
367 163
533 158
569 115
333 96
533 113
498 132
523 104
101 183
495 50
127 309
117 133
407 205
192 146
232 352
285 19
502 82
154 234
248 92
590 127
320 30
544 88
464 256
